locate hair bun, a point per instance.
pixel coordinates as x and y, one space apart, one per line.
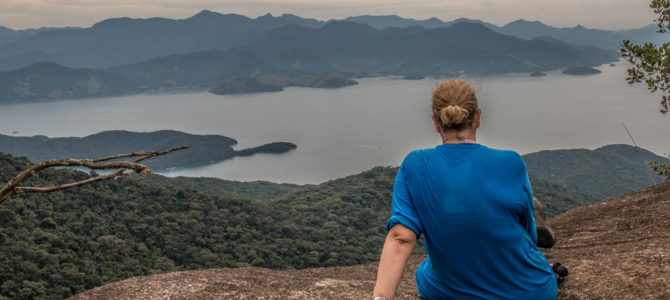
454 105
453 115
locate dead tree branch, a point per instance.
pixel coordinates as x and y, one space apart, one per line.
11 187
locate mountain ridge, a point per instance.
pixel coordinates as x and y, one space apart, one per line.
121 41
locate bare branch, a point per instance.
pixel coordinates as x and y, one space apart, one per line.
11 187
146 154
30 189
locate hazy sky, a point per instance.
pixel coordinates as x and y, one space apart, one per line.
606 14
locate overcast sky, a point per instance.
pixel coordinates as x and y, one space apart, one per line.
605 14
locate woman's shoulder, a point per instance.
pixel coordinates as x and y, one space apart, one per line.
508 160
504 154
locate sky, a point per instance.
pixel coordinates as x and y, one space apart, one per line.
603 14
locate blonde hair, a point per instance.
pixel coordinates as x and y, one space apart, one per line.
454 105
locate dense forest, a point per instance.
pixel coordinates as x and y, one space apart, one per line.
55 245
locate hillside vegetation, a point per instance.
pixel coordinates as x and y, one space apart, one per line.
50 81
66 242
605 172
62 243
614 250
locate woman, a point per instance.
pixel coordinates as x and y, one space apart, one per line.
474 206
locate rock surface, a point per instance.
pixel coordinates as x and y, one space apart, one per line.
616 249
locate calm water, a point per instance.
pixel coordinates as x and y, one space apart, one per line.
344 131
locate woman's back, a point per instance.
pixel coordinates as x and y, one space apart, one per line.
474 206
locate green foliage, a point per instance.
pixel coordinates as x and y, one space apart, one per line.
661 169
257 190
605 172
61 243
652 65
58 244
559 198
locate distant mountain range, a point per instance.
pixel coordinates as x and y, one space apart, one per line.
578 35
121 41
203 51
205 149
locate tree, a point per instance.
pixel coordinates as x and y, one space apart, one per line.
651 64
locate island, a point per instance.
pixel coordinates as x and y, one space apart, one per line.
414 77
204 150
581 70
274 83
271 148
537 74
241 85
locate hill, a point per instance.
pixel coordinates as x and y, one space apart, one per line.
580 70
469 47
614 250
527 30
50 81
8 35
257 190
65 242
273 83
121 41
296 50
205 149
605 172
211 50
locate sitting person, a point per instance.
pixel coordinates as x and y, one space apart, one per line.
474 206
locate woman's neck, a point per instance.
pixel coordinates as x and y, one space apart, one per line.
463 136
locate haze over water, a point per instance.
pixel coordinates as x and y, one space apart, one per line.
343 131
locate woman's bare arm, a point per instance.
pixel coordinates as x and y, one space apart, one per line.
398 246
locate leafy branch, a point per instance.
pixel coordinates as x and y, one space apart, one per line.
651 64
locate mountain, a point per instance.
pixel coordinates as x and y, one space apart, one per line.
577 35
8 35
605 172
122 41
383 22
359 50
582 36
205 149
470 47
202 70
613 250
50 81
209 49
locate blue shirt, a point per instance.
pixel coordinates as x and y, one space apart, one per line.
474 206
